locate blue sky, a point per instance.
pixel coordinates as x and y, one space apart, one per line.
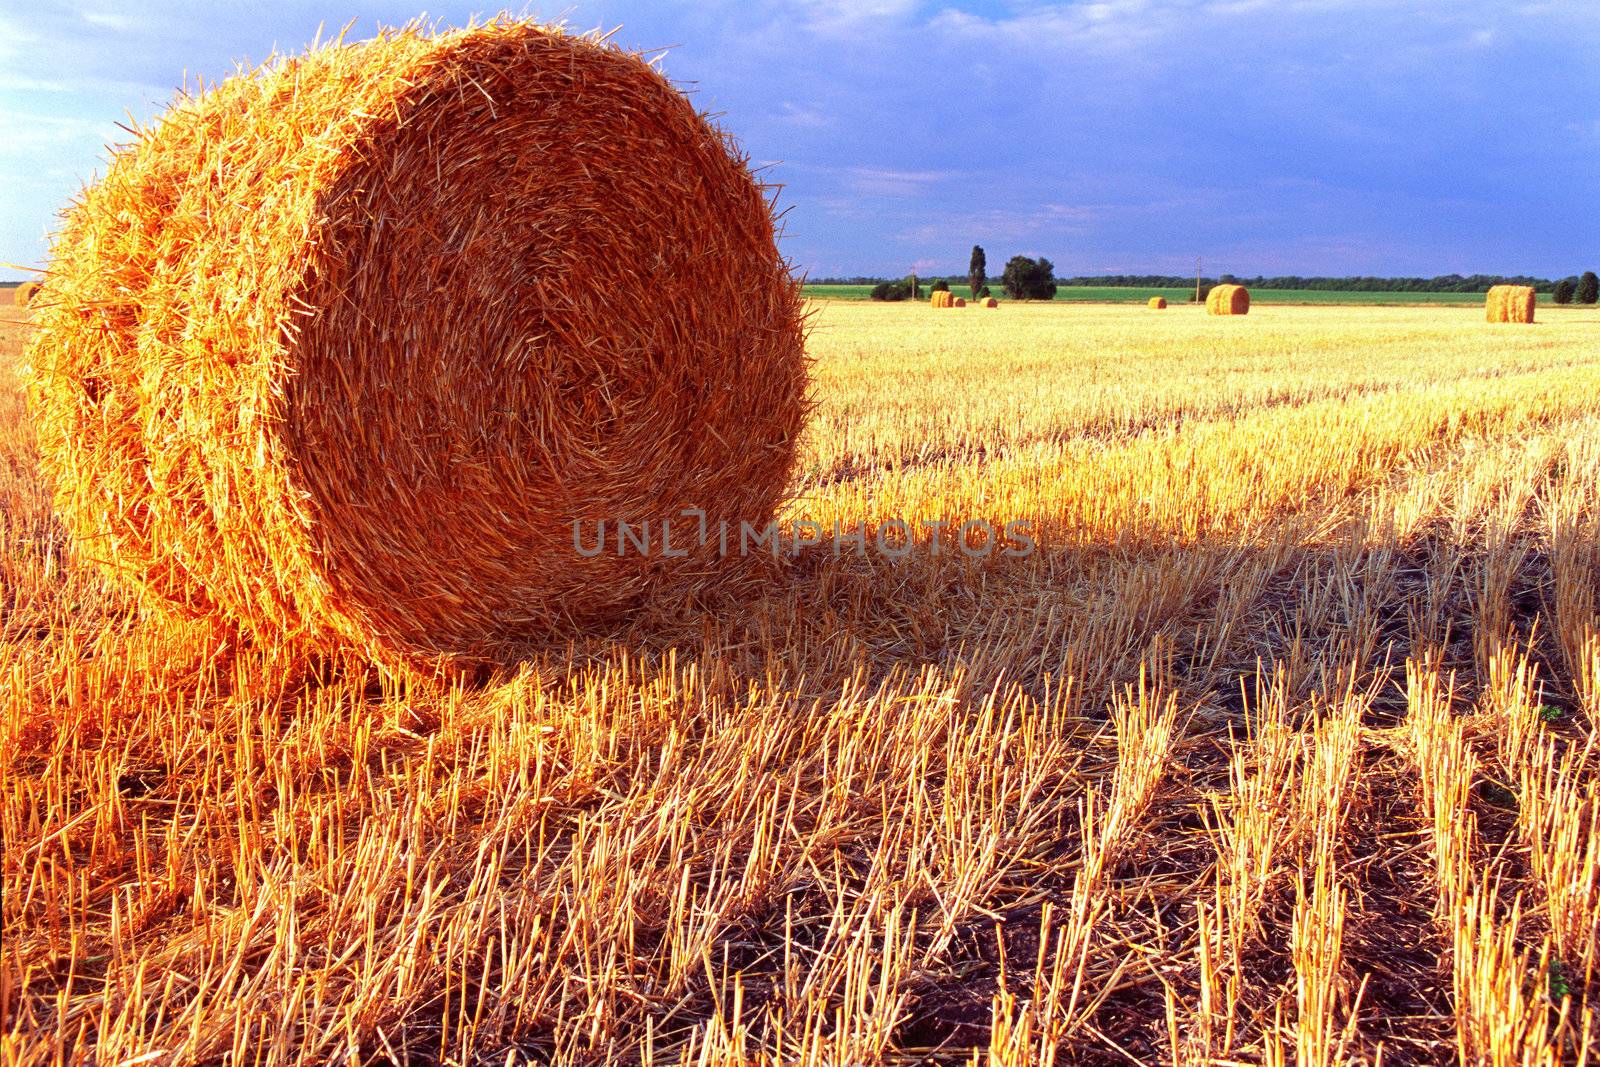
1269 136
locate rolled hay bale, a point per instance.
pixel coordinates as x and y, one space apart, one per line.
25 294
991 302
959 302
360 348
1510 303
1228 300
1158 302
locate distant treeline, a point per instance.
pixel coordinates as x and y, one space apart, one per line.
1444 283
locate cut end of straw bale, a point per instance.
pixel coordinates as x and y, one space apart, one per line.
1510 303
353 348
1228 300
1158 302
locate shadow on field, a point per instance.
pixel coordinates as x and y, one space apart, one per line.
1201 619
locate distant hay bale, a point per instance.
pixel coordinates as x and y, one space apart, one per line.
360 348
1228 300
990 302
1510 303
942 298
960 302
25 294
1158 302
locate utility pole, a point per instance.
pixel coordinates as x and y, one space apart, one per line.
1197 279
914 283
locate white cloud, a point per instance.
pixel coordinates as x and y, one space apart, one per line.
798 115
110 21
833 17
878 181
1008 224
25 134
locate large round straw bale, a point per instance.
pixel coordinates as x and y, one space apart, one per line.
1228 300
24 294
343 348
1158 302
1510 303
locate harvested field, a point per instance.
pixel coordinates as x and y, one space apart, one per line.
1279 745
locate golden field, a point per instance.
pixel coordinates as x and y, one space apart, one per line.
1280 747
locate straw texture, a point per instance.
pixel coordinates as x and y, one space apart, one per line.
1158 302
24 294
1510 303
1228 300
341 349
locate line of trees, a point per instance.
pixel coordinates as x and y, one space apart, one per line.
1025 278
1584 289
1444 283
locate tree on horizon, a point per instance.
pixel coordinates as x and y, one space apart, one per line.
1029 279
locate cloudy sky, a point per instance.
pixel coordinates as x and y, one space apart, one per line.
1269 136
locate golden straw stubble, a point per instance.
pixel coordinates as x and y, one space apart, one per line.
341 349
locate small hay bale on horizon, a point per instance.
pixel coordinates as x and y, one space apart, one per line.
1228 300
1510 303
1158 302
990 302
959 301
261 407
25 294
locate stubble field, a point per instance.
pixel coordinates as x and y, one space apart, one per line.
1280 746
